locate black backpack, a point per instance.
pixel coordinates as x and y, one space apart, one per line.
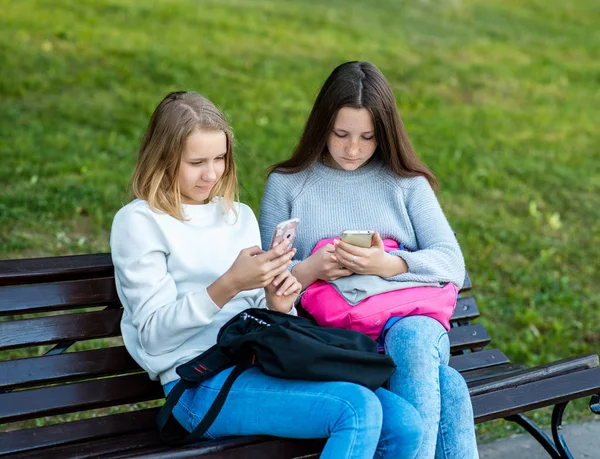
283 346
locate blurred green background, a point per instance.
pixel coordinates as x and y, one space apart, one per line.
500 97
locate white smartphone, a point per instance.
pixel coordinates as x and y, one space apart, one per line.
285 231
358 238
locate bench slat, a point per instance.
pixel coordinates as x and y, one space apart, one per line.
480 359
468 337
147 444
21 373
467 285
466 309
69 398
54 329
256 447
71 432
561 367
533 395
51 269
23 299
482 374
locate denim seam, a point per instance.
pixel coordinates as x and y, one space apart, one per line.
193 417
311 394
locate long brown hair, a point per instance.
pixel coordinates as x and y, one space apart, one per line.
156 175
357 85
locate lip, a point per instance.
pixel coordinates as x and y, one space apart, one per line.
205 188
351 160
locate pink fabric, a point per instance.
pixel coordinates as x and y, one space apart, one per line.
330 309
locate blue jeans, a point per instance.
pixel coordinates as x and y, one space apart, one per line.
420 348
358 423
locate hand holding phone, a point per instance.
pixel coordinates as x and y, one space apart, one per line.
285 231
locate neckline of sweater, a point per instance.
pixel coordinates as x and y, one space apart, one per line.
370 169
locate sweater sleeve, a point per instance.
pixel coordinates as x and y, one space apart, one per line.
276 207
438 257
148 291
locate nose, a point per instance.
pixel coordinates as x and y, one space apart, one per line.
209 175
352 148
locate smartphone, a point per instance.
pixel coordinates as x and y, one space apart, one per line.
359 238
285 231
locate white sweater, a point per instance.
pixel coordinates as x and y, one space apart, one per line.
162 269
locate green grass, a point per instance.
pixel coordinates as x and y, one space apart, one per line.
500 98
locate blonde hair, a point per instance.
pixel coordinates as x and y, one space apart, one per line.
156 175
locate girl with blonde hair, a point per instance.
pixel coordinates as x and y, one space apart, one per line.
187 259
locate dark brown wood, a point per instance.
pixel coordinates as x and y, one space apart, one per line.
466 284
481 359
147 444
56 329
484 374
498 387
566 366
468 337
52 269
35 371
78 431
23 299
530 396
100 393
466 309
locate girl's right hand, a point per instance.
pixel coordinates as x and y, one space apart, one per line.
254 268
321 265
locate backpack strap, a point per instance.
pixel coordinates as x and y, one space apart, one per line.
171 431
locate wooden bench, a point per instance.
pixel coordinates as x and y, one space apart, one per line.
62 302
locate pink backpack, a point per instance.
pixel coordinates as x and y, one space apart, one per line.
330 309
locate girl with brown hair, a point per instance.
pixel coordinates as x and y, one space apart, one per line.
354 168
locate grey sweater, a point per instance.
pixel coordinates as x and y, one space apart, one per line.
329 201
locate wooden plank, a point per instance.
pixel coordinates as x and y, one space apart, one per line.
23 299
263 448
467 285
566 366
56 329
21 373
481 359
51 269
533 395
466 309
468 337
482 374
147 444
69 398
24 440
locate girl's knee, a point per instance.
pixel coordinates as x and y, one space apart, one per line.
361 410
403 429
454 387
417 337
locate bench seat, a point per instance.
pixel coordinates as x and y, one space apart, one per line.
69 306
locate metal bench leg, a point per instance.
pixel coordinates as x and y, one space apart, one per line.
595 404
557 449
559 440
536 433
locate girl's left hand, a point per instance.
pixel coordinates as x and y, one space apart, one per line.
282 292
372 260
